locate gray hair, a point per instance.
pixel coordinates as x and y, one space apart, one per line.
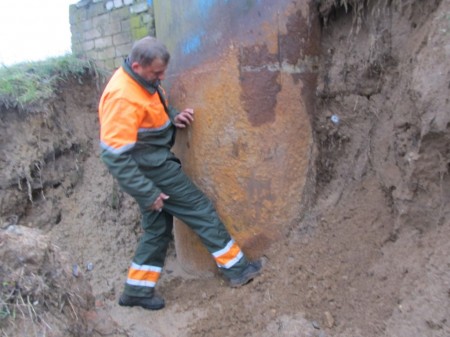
148 49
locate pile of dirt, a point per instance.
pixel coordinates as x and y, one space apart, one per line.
370 256
39 292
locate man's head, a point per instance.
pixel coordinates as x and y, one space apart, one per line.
149 59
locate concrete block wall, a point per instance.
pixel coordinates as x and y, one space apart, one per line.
104 30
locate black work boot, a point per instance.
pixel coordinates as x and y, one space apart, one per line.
252 270
153 302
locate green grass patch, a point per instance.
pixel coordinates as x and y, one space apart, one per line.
24 86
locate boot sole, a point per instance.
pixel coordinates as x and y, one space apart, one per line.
248 278
148 307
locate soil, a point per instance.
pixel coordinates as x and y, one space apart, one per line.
370 256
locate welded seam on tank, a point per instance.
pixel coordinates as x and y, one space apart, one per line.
307 66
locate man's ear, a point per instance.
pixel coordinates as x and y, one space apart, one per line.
135 67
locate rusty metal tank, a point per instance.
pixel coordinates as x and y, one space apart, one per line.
248 68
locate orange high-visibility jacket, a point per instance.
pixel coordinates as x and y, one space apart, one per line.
134 127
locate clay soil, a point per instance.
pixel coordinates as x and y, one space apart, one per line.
369 257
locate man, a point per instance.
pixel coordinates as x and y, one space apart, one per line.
137 133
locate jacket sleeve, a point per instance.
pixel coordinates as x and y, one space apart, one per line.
172 112
124 168
119 129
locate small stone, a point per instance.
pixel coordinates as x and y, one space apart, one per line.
315 325
75 271
14 230
329 319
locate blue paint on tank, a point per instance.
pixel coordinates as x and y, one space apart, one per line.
192 44
205 5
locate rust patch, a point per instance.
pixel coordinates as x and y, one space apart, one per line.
302 37
259 92
256 56
260 85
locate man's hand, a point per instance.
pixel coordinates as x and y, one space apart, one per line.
158 204
184 118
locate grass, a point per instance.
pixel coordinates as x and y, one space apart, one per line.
13 305
24 86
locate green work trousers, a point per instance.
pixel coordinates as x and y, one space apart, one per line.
187 203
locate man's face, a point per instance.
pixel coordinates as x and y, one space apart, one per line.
151 73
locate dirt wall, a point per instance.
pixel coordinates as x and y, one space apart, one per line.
385 75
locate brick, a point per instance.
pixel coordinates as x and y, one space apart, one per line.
77 30
95 9
76 15
139 8
103 42
128 2
92 34
121 38
120 14
82 4
139 33
107 53
91 54
79 39
118 62
126 27
88 45
86 25
77 49
114 27
124 49
72 12
118 3
109 5
101 23
135 22
100 19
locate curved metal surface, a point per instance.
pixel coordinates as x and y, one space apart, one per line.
248 68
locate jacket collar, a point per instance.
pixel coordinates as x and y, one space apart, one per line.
151 87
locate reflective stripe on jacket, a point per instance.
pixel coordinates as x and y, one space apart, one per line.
134 128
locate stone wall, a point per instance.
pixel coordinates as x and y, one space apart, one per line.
104 30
